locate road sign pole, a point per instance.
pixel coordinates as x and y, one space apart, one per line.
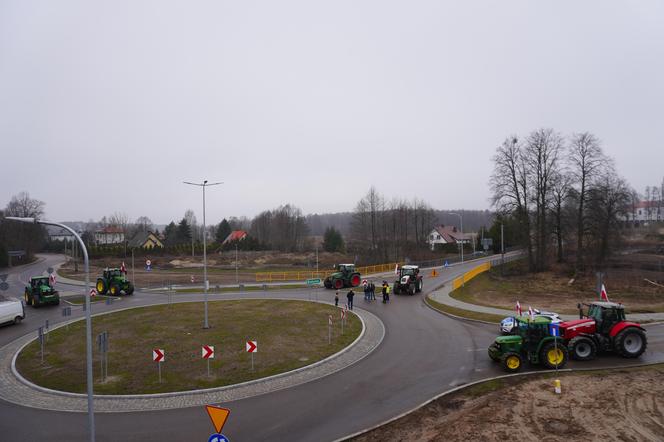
159 365
252 361
208 366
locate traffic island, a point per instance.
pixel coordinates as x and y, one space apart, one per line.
289 335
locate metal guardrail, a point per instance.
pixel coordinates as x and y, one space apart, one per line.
312 274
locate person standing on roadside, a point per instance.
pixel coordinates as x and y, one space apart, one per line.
350 296
372 291
365 284
336 298
384 292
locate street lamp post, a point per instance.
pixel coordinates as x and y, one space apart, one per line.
461 226
88 318
205 279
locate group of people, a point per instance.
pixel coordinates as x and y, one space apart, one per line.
369 294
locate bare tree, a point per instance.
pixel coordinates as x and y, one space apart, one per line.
191 221
22 205
20 235
119 219
560 188
509 186
585 159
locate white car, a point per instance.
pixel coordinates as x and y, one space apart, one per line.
507 324
11 310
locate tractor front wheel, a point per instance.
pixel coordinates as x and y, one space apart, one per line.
582 348
130 289
355 280
27 299
418 289
631 342
554 355
115 289
101 287
396 289
511 362
338 284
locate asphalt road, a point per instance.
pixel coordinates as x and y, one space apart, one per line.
423 354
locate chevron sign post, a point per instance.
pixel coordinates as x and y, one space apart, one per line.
158 356
252 347
207 352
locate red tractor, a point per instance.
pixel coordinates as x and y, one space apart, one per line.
604 328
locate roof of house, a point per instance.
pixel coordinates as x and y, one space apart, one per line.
235 235
110 230
139 239
646 204
451 234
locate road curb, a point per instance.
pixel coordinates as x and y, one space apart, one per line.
493 378
461 318
292 374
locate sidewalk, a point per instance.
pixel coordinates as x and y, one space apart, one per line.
442 296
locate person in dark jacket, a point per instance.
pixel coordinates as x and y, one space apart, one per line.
350 296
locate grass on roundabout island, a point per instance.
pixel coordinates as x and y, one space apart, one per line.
290 334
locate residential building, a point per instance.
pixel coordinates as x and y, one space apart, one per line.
145 240
235 235
644 212
448 235
109 235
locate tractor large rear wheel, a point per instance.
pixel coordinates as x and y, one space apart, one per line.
130 289
396 289
418 288
101 287
115 289
582 348
554 355
511 362
355 280
631 342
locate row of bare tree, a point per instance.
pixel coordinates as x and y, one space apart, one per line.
384 230
563 193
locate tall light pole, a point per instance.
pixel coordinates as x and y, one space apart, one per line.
461 225
88 318
205 279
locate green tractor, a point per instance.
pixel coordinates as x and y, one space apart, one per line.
40 292
532 341
114 282
344 276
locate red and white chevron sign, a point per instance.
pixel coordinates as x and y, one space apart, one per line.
158 355
343 313
252 346
207 351
93 292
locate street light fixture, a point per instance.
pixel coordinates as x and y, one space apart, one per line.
461 226
88 318
205 279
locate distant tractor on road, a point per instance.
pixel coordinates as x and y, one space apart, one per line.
40 292
345 275
114 282
604 328
409 281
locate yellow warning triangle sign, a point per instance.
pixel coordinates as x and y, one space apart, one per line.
218 416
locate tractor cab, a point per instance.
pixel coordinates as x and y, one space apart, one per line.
345 268
408 271
39 281
606 315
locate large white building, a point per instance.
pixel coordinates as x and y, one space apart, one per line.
645 212
109 235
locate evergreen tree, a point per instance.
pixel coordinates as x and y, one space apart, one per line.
223 230
170 233
183 232
332 240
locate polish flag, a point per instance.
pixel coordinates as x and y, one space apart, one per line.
396 269
123 269
531 313
51 279
518 309
602 294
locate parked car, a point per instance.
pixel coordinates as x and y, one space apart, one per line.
508 324
11 310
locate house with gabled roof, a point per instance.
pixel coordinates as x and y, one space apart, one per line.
448 235
145 240
235 235
109 235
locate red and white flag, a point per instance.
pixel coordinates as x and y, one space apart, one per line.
531 313
123 269
51 279
396 269
602 295
518 308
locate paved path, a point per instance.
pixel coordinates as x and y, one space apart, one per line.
15 389
442 296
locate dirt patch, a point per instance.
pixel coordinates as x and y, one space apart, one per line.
553 291
626 405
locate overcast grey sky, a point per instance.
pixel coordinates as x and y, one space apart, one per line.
109 106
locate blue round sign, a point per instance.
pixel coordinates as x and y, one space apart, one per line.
218 438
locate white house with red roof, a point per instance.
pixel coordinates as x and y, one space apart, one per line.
645 212
448 235
109 235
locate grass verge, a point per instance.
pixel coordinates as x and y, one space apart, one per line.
80 299
290 334
246 289
464 313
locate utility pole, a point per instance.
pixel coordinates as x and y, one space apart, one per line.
237 277
461 226
205 279
502 248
